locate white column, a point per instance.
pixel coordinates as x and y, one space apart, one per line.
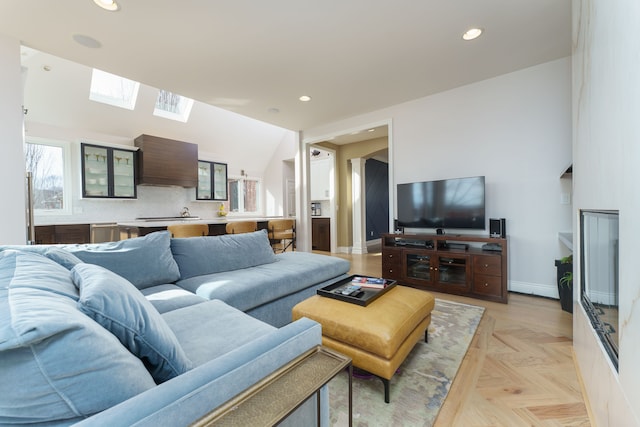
12 168
358 206
303 206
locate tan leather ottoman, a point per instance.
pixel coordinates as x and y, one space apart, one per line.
377 337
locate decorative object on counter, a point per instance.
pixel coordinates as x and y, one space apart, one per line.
184 213
316 209
221 210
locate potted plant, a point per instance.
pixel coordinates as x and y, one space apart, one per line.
564 269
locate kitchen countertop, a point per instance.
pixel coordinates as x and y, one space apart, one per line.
218 220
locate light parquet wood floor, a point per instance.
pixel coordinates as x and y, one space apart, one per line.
519 370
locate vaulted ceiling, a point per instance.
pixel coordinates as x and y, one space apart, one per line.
257 58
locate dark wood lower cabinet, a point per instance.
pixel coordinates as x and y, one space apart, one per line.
55 234
321 234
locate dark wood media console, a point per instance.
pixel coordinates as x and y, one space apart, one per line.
454 264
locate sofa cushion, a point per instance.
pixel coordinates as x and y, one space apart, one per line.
144 261
56 363
248 288
212 254
62 257
170 297
120 308
213 328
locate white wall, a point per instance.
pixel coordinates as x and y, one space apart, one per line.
276 172
606 150
12 172
515 130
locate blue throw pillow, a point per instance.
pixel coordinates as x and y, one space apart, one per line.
62 257
120 308
197 256
144 261
56 364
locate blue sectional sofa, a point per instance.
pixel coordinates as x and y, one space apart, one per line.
150 331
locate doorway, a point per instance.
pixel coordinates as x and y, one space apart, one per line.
350 226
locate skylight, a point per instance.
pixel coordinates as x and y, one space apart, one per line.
113 90
172 106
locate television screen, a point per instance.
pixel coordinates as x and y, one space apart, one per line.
449 203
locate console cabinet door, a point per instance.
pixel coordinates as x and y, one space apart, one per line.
453 272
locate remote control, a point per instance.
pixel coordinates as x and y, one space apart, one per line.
348 290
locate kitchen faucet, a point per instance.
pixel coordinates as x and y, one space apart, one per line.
184 213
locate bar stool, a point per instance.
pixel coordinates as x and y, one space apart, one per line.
188 230
282 234
238 227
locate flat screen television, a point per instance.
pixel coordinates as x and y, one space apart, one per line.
447 203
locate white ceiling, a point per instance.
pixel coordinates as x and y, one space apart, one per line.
251 57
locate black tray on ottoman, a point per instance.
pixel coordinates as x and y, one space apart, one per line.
368 295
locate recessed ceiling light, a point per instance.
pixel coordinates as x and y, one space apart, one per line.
472 33
305 98
371 130
109 5
87 41
273 110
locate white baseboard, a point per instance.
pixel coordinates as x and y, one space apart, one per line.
534 289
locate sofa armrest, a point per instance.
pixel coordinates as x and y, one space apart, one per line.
186 398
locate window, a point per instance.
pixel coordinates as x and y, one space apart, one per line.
48 164
113 90
172 106
244 195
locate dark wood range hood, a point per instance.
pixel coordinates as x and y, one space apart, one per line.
163 161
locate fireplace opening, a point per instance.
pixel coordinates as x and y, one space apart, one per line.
599 276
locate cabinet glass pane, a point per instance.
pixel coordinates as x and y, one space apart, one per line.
220 181
452 270
96 172
204 181
419 266
123 174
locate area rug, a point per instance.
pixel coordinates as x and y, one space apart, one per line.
422 383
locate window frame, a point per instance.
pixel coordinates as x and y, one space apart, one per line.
67 176
109 100
184 105
241 179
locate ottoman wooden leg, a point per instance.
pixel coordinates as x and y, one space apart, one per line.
426 335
